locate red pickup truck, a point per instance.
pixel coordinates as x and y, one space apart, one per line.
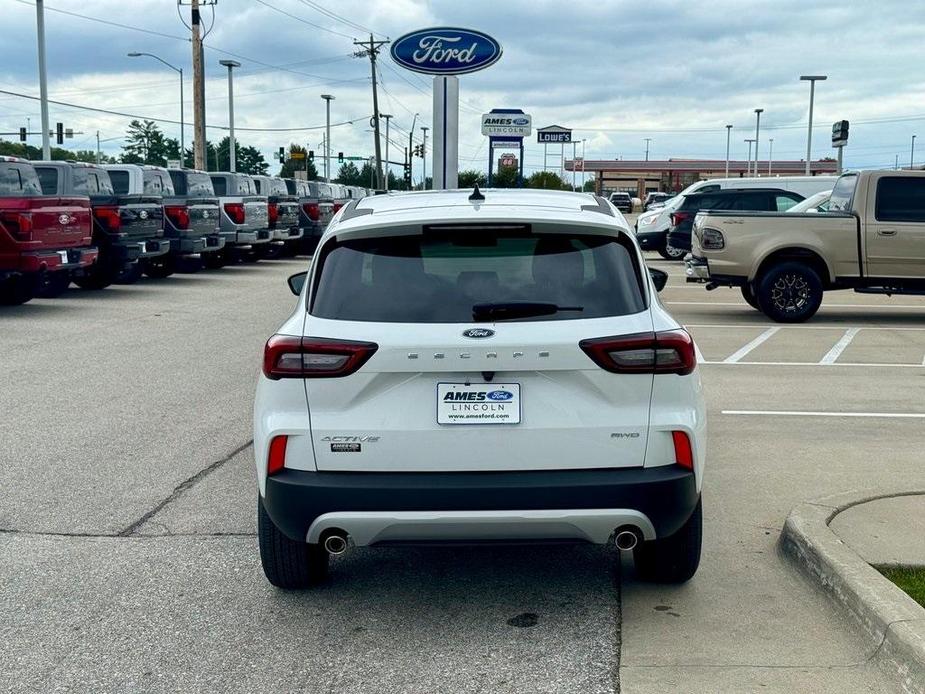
44 239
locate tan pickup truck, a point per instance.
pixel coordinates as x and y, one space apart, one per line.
871 240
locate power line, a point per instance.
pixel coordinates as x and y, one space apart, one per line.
176 122
106 21
304 21
338 18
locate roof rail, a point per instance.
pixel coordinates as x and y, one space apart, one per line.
600 205
351 211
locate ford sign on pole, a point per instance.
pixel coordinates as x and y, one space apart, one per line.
445 51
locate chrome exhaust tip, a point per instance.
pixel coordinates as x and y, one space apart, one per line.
626 539
335 543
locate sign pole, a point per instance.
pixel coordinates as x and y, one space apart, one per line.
520 177
491 154
446 132
545 152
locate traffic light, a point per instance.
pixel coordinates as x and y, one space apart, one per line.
22 134
340 157
282 154
311 155
59 133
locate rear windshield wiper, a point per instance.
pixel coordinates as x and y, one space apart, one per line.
507 310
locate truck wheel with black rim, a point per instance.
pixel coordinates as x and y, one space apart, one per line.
671 253
748 293
288 563
790 292
672 559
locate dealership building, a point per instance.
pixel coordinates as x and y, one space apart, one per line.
674 175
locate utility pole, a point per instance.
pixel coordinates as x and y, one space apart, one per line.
371 50
757 124
912 154
43 79
424 130
199 103
574 146
728 135
97 147
648 140
327 137
388 117
896 163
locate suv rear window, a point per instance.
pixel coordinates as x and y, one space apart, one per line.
17 180
439 277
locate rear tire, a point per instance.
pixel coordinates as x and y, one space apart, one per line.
288 563
159 269
748 293
17 290
790 292
670 253
95 277
131 274
214 260
672 559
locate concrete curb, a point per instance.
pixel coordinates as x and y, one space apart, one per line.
893 621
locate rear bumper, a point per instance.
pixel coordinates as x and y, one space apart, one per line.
140 250
248 238
697 269
50 261
453 506
651 240
287 234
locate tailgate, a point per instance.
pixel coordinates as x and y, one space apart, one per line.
203 217
256 215
59 222
141 217
287 214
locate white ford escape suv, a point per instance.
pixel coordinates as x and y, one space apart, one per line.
469 366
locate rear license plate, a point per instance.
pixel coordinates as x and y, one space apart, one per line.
479 403
63 256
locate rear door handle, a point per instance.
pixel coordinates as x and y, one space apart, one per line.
886 232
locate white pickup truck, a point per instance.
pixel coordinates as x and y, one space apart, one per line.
871 240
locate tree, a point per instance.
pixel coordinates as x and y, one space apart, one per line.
146 144
349 175
505 177
247 159
24 151
546 180
290 166
589 186
470 178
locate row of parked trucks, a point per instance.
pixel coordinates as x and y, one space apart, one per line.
63 222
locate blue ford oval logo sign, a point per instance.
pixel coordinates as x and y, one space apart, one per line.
521 121
478 332
445 51
499 395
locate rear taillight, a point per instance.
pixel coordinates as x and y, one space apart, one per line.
337 206
178 215
18 224
669 352
683 454
235 211
312 210
108 217
272 212
679 218
314 357
276 457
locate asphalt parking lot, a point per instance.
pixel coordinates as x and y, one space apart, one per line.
129 562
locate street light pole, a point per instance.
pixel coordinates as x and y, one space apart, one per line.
180 71
749 141
43 80
584 176
648 140
424 130
757 125
388 117
574 145
770 154
812 79
327 142
728 135
230 64
912 154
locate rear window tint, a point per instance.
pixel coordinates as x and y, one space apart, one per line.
439 278
48 178
89 181
218 185
18 180
900 199
120 181
157 183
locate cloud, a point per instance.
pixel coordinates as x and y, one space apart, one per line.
617 72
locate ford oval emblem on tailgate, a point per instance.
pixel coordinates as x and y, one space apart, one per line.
478 332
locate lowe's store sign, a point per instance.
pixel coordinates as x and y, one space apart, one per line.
445 51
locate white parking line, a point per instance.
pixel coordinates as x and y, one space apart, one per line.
833 354
741 352
723 326
777 413
811 363
698 354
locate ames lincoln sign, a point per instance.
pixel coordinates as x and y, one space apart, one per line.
506 124
445 51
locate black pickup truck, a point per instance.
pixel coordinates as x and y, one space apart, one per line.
127 229
282 214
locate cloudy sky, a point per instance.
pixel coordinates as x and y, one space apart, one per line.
615 71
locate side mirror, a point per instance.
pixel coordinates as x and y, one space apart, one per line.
659 278
297 281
